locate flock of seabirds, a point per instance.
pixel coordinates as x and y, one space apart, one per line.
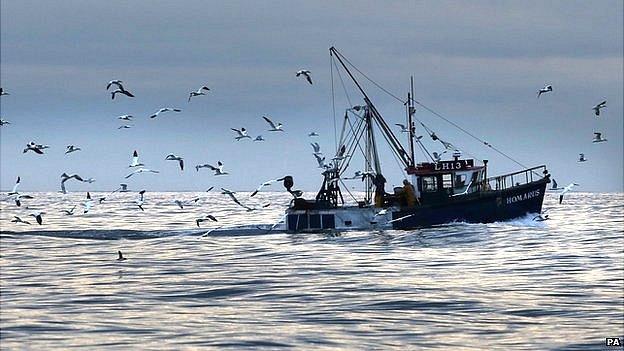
240 133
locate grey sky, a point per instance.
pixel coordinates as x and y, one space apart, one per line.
478 63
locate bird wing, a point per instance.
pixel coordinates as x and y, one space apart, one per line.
63 186
16 185
181 164
212 167
131 174
308 77
269 122
240 133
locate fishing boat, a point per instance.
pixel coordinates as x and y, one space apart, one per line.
444 188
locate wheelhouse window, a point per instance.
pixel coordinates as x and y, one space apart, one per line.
447 181
429 184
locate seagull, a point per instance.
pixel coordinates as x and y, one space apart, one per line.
72 148
141 170
121 91
231 195
14 190
242 133
274 128
65 177
123 188
172 157
116 82
259 138
88 203
306 73
317 148
140 201
3 122
321 161
437 157
125 126
313 134
165 109
598 107
267 183
125 117
198 92
38 217
16 219
554 185
205 218
218 170
545 89
120 256
568 188
181 203
404 129
37 148
2 92
15 196
598 138
69 212
135 160
582 158
540 218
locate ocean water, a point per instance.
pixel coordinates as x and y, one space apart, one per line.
516 285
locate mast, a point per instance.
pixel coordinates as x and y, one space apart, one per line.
412 129
390 137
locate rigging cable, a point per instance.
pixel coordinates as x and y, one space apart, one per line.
333 95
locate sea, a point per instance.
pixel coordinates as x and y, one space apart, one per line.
234 284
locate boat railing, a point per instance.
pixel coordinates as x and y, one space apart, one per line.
510 180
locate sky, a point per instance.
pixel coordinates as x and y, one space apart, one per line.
477 63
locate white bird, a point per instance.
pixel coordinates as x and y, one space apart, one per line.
598 138
231 195
120 91
165 109
72 148
404 129
306 73
3 122
65 177
16 219
598 107
2 92
125 126
125 117
205 218
120 256
135 160
267 183
117 82
38 216
37 148
274 127
88 203
259 138
242 133
317 148
545 89
582 158
565 190
14 190
140 201
141 170
218 170
320 160
70 211
199 92
172 157
18 198
313 134
182 203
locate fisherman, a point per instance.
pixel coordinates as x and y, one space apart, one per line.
409 193
380 182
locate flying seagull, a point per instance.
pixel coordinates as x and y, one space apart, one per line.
306 73
120 91
182 203
17 183
16 219
15 196
37 148
598 107
199 92
125 126
3 122
404 129
582 158
165 109
135 160
2 92
38 217
218 170
172 157
65 177
231 195
320 160
274 127
120 256
125 117
313 134
141 170
242 133
205 218
545 89
267 183
72 148
140 200
259 138
88 203
70 211
116 82
565 190
540 218
317 148
598 138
